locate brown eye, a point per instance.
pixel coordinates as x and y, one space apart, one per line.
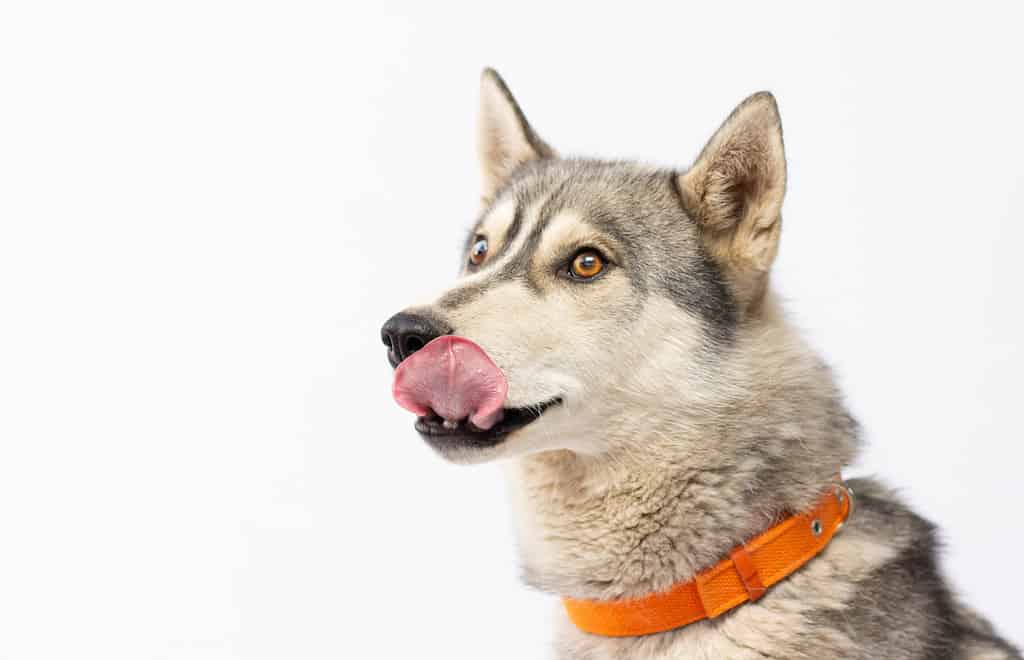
586 265
478 252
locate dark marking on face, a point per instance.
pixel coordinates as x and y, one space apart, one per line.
463 295
639 210
510 235
513 228
519 266
710 295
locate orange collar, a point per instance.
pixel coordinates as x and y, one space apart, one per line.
745 576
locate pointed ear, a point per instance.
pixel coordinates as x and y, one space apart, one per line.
734 191
504 137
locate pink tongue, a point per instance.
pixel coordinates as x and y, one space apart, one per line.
456 379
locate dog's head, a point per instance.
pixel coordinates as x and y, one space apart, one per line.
591 292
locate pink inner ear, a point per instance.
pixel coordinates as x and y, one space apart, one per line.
456 379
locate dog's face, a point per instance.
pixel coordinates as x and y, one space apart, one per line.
596 290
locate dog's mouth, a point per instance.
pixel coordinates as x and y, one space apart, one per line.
446 433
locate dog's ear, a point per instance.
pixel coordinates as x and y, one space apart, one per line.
504 137
734 191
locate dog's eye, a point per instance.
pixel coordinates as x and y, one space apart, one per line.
586 265
478 252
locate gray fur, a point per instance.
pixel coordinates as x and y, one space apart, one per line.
693 414
641 208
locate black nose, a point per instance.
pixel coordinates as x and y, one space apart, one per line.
406 333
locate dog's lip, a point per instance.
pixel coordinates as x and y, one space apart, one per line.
432 428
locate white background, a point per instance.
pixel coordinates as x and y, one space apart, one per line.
208 209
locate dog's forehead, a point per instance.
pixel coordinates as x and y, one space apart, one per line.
623 200
497 219
567 226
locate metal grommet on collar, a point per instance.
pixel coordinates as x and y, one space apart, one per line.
816 527
844 494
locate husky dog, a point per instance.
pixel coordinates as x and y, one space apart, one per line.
613 336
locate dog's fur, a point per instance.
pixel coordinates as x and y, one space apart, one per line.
692 414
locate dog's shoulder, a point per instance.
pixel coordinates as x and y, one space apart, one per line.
886 573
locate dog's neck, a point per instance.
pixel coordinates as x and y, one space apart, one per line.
679 496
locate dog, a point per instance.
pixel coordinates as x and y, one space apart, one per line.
613 337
